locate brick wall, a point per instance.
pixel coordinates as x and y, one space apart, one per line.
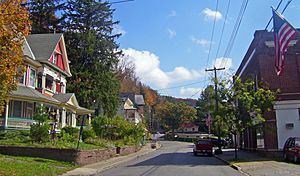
261 66
81 157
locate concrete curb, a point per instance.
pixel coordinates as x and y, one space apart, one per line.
91 170
234 166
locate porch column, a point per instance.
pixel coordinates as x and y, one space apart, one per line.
90 120
58 117
73 119
43 81
63 117
6 115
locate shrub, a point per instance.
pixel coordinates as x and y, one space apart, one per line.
39 133
71 131
88 133
17 136
69 134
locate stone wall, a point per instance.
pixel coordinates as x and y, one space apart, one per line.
81 157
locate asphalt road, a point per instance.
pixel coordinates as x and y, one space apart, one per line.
173 159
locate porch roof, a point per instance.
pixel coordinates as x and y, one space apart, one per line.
30 94
70 100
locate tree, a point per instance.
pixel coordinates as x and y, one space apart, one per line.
172 115
42 15
128 79
14 26
242 105
93 53
204 106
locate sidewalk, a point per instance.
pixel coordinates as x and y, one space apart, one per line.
96 168
252 164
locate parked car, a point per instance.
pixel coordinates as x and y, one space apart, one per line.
215 142
291 149
204 147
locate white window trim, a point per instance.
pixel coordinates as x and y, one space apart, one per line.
54 60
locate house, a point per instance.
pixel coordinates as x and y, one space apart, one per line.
258 65
189 127
132 107
43 83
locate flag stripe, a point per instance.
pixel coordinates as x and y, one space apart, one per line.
283 34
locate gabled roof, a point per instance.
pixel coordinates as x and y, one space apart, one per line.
64 98
43 45
139 100
27 50
70 99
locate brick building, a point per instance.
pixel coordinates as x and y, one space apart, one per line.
258 65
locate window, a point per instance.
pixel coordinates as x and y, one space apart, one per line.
32 77
49 82
29 110
55 58
21 75
17 109
40 81
21 79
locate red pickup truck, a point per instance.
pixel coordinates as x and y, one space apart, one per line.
203 146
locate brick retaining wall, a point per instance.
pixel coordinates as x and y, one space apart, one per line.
81 157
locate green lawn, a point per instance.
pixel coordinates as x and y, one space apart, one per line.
30 166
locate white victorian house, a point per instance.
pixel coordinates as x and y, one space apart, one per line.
43 83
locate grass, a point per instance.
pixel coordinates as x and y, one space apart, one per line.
31 166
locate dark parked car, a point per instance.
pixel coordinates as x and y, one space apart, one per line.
291 150
203 146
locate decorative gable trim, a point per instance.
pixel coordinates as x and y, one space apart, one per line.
63 52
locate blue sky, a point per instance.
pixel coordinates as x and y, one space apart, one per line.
168 40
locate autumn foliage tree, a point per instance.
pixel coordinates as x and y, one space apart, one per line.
172 115
14 26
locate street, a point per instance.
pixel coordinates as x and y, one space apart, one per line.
172 159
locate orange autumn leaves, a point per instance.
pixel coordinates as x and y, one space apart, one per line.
14 26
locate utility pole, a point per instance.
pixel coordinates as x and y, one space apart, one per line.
219 151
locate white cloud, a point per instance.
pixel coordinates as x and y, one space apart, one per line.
183 74
147 67
211 14
118 29
189 91
171 33
172 13
223 62
201 42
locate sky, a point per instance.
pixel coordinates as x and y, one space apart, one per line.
169 41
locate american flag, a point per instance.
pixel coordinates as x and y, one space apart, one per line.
283 34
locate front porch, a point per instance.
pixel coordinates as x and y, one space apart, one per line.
23 103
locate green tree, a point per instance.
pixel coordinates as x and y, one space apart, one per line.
172 115
43 17
93 53
204 106
39 131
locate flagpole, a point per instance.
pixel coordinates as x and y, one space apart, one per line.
288 3
272 15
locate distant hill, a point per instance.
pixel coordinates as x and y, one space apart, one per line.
188 101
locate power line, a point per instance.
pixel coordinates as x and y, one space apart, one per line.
182 85
222 31
212 34
234 32
272 16
118 2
